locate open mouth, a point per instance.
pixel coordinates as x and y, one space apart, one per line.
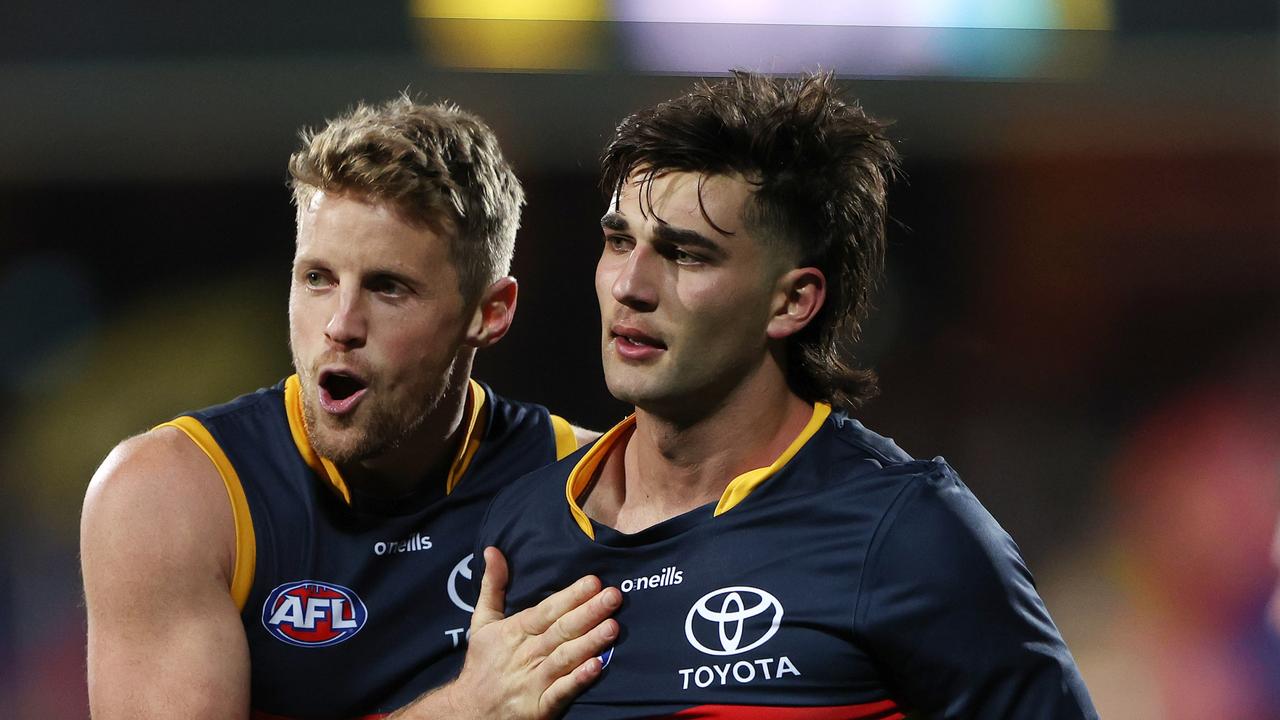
340 386
340 391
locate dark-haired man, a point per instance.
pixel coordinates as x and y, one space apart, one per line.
778 559
297 552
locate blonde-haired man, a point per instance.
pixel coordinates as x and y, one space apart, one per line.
298 552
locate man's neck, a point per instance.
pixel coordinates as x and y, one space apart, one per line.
666 468
424 456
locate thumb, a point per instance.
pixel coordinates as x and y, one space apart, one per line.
493 590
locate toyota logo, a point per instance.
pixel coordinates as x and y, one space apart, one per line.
461 571
733 620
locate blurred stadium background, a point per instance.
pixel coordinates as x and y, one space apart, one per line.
1082 311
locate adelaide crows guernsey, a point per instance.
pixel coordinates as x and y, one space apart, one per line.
845 580
354 607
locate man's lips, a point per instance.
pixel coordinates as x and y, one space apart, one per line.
635 344
341 389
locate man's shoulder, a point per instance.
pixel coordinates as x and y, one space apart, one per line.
251 434
153 491
536 495
924 521
508 415
515 423
935 527
270 399
861 461
860 440
168 474
508 406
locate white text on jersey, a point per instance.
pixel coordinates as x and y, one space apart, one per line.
741 672
414 542
668 576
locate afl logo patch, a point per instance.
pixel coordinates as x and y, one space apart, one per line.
309 613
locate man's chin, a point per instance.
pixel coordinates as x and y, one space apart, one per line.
643 395
624 391
344 446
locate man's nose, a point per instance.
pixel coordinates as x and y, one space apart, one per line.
348 327
636 283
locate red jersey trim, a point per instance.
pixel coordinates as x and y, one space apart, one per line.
882 710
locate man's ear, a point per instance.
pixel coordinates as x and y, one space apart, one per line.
799 297
493 314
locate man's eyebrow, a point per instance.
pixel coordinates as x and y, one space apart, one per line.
614 221
685 237
390 274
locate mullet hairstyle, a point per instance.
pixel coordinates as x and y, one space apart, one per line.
437 165
819 166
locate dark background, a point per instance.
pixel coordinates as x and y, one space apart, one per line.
1082 309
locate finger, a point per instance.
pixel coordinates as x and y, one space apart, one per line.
537 619
493 590
561 692
579 621
573 653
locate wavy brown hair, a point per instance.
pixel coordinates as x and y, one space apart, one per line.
436 164
820 167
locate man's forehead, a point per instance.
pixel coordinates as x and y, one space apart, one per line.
642 177
437 221
682 197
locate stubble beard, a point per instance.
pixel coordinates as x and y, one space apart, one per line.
373 430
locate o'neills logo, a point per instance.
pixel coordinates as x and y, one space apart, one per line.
412 543
668 576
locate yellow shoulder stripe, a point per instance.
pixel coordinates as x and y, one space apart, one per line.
246 542
566 441
740 487
585 471
298 429
324 467
471 437
735 492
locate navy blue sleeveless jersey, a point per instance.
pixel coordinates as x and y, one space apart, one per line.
353 607
846 580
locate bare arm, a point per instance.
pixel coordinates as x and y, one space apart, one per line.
570 437
531 665
157 547
584 436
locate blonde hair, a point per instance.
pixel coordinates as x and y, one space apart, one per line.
436 164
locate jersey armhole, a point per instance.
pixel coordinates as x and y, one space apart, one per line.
566 441
246 542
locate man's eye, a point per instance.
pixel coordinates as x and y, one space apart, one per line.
684 258
680 256
618 243
315 279
387 287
